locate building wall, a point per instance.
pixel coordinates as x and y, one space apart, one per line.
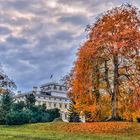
62 105
58 94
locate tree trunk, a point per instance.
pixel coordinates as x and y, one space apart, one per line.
97 92
97 82
115 87
107 78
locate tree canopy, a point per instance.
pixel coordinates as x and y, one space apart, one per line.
106 75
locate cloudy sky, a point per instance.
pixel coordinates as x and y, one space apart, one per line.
41 37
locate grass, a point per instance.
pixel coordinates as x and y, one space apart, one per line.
72 131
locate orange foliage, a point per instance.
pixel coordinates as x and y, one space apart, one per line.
90 128
107 66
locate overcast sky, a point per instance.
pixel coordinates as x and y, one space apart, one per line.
41 37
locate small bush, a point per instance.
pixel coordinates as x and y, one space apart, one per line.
18 106
20 114
17 118
53 113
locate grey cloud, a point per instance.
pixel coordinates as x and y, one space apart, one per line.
22 4
64 35
16 41
74 19
42 39
4 30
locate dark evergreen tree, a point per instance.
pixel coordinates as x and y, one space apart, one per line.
5 106
30 100
73 114
19 106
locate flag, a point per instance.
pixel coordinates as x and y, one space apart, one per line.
51 76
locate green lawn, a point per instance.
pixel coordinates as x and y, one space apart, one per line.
71 131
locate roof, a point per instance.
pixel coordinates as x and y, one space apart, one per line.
22 94
52 83
1 76
58 97
40 95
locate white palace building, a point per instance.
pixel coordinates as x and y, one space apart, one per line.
53 95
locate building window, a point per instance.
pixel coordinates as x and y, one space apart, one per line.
65 106
60 105
54 87
54 104
49 104
66 116
60 88
61 115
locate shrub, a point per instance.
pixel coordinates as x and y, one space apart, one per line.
53 113
39 114
18 106
17 118
20 113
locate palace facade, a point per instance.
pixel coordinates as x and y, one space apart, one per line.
53 95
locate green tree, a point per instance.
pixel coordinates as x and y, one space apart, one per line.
18 106
73 114
30 100
5 106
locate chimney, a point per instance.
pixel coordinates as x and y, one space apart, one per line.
19 92
34 89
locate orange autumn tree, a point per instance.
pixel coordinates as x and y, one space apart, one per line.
5 83
107 69
84 84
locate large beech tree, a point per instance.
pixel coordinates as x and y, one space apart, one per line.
108 64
